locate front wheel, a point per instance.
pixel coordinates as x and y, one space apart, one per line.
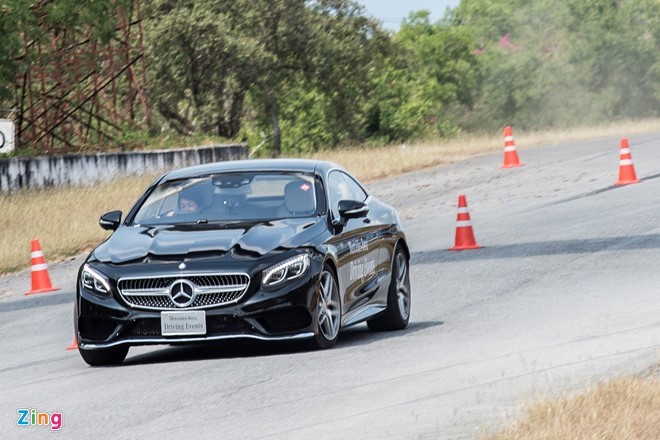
397 314
328 310
104 356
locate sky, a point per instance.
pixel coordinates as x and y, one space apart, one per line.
391 12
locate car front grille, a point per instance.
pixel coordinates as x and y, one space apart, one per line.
207 290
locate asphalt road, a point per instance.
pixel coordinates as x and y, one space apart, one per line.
563 294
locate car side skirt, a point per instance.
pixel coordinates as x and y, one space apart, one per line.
363 314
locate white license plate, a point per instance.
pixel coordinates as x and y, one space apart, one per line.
183 323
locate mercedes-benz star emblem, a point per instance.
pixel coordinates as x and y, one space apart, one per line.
182 266
182 293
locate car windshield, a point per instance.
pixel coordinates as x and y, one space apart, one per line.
254 196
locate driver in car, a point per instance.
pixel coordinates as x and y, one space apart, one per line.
189 203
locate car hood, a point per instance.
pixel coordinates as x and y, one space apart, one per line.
129 243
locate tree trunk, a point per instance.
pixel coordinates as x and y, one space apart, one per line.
229 122
178 122
275 119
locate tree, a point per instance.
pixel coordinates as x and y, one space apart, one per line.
557 64
201 63
207 56
427 84
319 76
9 16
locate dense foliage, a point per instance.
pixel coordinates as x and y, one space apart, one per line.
548 63
299 75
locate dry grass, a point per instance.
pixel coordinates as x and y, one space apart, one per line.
371 164
66 220
622 409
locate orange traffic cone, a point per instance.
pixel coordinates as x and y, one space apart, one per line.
74 345
464 234
510 154
40 278
626 168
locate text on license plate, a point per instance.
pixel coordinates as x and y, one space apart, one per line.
183 323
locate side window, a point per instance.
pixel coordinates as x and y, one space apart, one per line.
169 205
337 190
343 187
358 193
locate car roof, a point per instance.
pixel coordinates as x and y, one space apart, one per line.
300 165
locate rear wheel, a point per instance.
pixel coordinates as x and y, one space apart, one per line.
397 314
104 356
328 310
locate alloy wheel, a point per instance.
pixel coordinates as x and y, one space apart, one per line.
328 309
402 285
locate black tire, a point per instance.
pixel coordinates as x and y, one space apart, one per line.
104 356
328 311
397 314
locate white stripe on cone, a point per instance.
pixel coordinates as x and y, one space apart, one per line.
38 267
508 138
37 254
463 223
625 151
463 211
509 148
626 162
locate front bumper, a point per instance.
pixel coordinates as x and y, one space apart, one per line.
281 315
191 340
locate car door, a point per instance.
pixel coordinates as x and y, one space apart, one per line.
360 268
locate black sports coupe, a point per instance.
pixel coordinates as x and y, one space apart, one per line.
272 249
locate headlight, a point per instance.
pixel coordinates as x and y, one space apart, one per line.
94 280
286 270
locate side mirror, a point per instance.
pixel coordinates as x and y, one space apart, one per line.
110 220
352 209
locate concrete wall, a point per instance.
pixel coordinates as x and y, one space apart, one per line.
84 169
